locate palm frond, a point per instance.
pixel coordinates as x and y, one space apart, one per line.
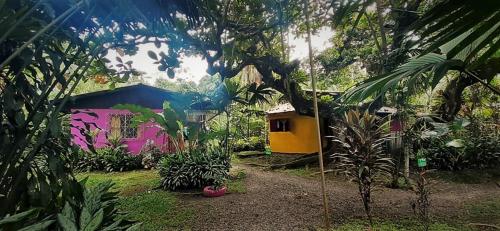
473 27
412 72
455 35
258 93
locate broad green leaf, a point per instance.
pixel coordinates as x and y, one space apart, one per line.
85 217
68 210
17 217
135 227
96 221
65 223
113 226
38 226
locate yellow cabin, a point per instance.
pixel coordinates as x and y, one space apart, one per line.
291 133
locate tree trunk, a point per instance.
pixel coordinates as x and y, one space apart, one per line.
452 95
227 130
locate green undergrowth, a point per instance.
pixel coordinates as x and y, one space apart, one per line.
236 183
468 176
400 225
485 212
481 215
125 182
157 210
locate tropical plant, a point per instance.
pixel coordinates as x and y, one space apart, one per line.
151 156
26 220
86 161
360 152
224 96
421 204
172 120
196 169
96 210
114 157
465 151
249 144
457 145
46 50
116 160
460 36
218 181
258 94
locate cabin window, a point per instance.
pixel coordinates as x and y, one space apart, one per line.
280 125
196 116
121 126
202 118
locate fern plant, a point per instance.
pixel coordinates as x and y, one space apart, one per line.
360 153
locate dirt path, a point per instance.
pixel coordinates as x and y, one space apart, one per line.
279 201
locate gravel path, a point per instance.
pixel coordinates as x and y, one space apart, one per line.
279 201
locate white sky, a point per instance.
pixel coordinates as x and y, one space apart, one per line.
193 68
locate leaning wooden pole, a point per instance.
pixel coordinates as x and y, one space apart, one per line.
316 115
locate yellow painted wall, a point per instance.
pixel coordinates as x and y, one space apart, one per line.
301 139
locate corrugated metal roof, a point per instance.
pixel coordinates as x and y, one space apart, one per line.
287 107
387 110
139 94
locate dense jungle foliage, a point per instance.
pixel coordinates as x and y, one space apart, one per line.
432 57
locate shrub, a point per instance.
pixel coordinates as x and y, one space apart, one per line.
360 154
113 158
476 152
151 156
196 169
93 209
88 161
249 144
119 160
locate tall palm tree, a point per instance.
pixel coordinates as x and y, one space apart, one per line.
226 93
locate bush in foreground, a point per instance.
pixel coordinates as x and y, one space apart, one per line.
90 209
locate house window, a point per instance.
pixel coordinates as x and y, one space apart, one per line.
202 118
121 126
280 125
196 116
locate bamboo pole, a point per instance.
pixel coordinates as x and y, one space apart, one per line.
316 116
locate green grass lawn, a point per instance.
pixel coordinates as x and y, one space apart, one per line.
156 209
468 176
236 183
401 225
487 212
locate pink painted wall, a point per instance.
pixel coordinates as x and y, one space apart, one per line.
146 132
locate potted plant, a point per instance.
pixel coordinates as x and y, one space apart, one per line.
217 189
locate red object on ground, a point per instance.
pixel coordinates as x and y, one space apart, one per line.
208 191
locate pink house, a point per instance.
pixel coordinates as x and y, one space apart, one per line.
93 119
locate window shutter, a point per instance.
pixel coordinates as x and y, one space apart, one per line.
115 126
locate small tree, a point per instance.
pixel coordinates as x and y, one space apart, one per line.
421 204
360 153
